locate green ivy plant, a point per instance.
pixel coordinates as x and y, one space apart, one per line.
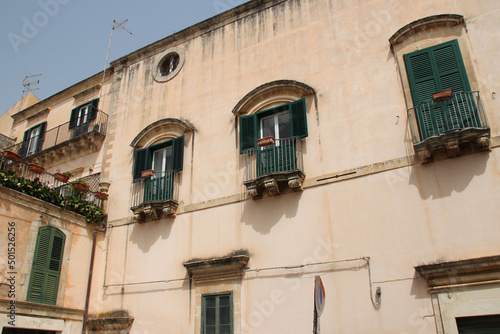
35 188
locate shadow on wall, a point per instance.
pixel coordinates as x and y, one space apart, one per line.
147 234
440 179
264 213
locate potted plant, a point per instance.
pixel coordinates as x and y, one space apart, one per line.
100 195
147 173
63 177
265 141
80 185
11 155
444 95
36 168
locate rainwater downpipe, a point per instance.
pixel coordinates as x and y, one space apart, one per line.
91 269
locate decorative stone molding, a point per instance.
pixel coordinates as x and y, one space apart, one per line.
117 320
159 131
434 21
461 272
483 144
452 148
275 183
155 210
230 266
277 92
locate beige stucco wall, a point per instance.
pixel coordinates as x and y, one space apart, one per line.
393 210
369 212
28 214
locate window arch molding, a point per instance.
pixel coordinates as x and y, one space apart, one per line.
162 130
272 94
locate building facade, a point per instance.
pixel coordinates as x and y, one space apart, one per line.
282 141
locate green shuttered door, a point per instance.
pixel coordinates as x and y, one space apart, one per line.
47 260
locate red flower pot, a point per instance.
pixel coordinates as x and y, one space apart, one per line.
61 177
265 141
80 186
101 195
444 95
36 168
11 155
147 173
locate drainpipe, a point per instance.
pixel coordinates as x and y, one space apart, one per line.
89 283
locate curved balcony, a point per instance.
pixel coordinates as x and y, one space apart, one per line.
447 122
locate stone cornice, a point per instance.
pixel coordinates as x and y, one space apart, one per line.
476 270
427 22
230 266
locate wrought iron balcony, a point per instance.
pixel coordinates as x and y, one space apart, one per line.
274 167
155 197
446 123
63 141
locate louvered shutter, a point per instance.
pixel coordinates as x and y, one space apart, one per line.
248 132
433 70
94 107
73 118
47 261
41 136
177 153
140 162
298 118
24 146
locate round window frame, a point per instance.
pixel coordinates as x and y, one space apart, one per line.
162 57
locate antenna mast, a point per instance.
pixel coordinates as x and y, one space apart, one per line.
27 87
115 25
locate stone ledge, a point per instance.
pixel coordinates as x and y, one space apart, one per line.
42 310
461 272
116 320
230 266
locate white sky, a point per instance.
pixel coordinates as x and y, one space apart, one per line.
66 40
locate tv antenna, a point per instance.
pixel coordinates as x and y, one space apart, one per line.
115 25
28 86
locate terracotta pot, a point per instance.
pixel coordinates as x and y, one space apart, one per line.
444 95
11 155
36 168
147 173
80 186
101 195
265 141
61 177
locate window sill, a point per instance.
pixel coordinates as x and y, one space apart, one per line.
154 210
275 183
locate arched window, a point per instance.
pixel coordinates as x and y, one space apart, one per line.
46 269
158 160
441 90
272 124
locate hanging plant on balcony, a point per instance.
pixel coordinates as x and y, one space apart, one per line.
63 177
36 168
11 155
81 185
147 173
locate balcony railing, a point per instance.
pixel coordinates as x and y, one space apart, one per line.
463 110
46 187
61 134
269 165
155 196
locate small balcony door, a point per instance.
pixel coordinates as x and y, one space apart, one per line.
82 121
161 185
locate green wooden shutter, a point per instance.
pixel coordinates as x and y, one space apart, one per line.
298 118
41 137
140 162
47 261
177 153
248 132
94 107
432 70
74 117
24 146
